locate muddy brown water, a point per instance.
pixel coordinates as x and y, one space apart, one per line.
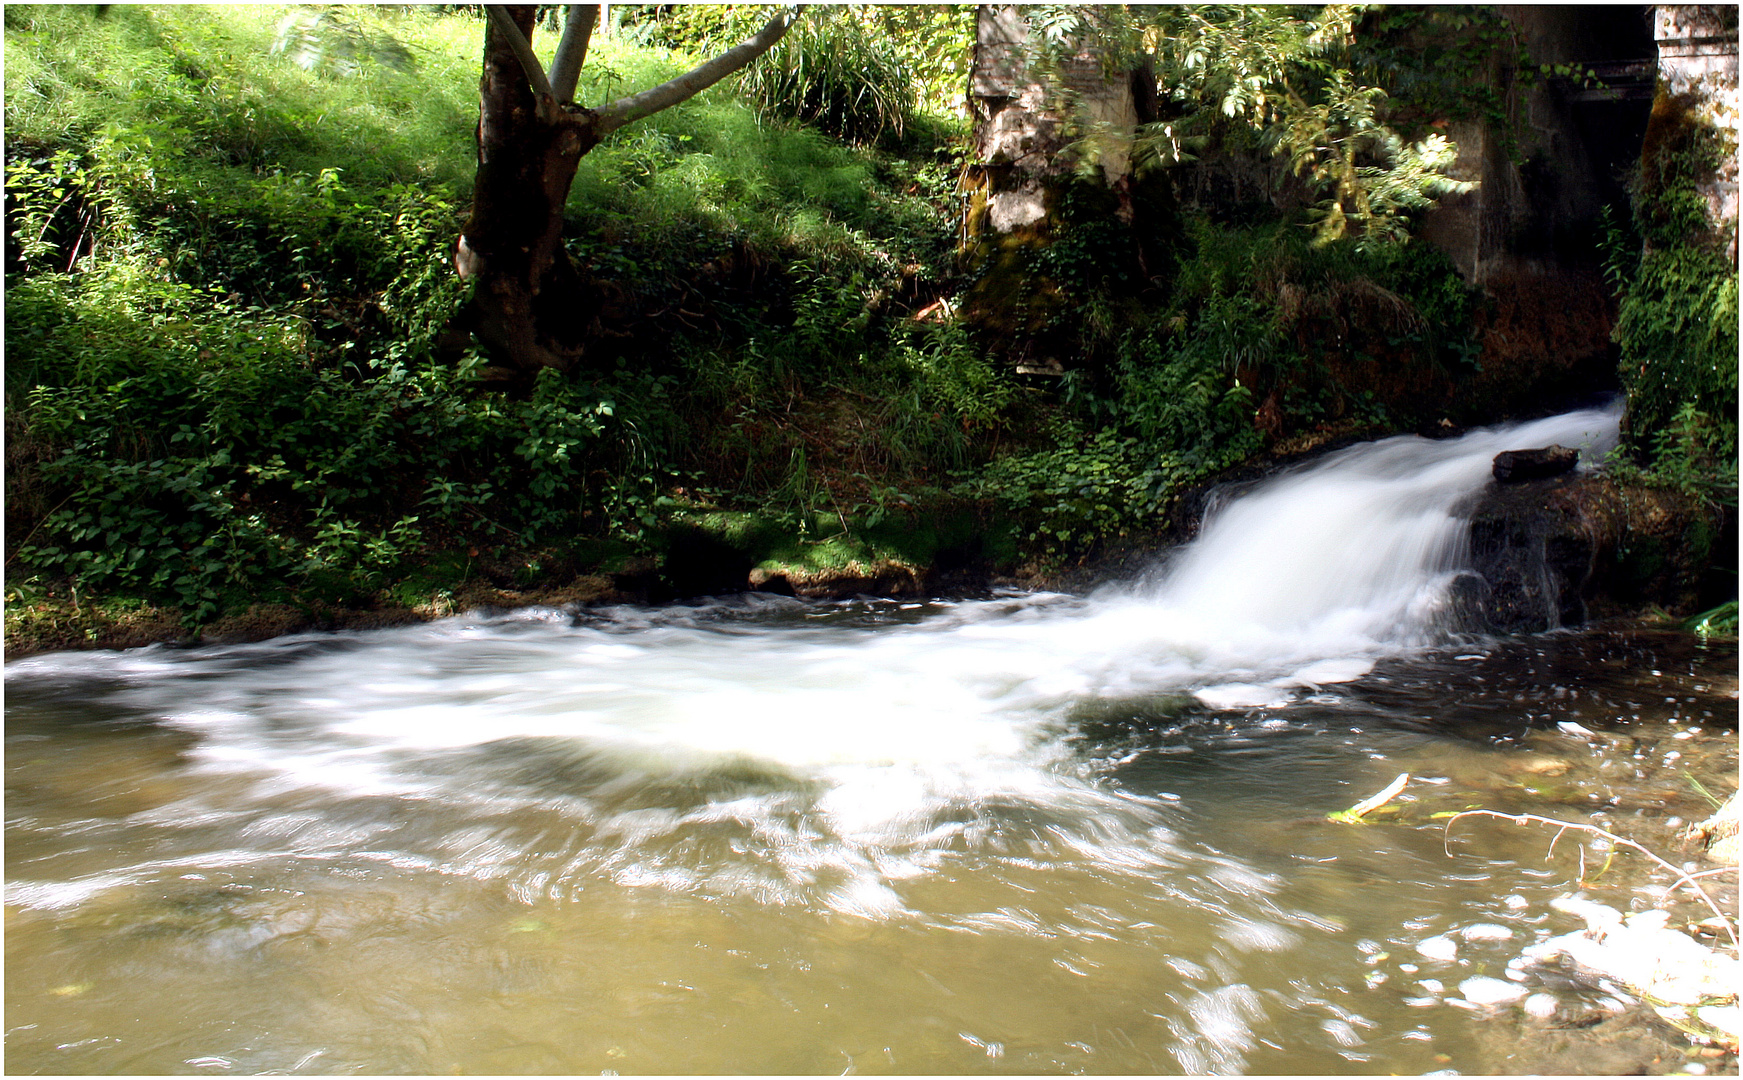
298 857
1023 833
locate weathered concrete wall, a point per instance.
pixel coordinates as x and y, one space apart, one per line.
1031 143
1530 233
1542 190
1544 181
1697 82
1016 137
1021 132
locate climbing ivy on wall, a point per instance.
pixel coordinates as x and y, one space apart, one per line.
1677 312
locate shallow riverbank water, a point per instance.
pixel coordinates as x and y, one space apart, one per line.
1035 833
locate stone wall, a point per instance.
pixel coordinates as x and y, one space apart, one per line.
1546 174
1697 82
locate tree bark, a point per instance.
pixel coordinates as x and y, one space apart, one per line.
532 307
1024 160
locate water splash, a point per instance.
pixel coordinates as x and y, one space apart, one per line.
1359 544
791 753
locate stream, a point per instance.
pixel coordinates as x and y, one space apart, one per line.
1026 833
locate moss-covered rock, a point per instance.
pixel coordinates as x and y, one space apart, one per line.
1556 552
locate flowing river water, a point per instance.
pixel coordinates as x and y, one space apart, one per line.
1030 833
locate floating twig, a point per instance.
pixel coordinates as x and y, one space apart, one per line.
1353 816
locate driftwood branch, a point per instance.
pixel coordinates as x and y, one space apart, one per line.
1564 826
523 49
636 106
572 51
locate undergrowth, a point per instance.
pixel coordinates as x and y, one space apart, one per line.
231 375
228 281
1677 318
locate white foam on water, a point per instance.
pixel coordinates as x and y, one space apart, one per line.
828 763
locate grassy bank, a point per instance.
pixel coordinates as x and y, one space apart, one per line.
229 383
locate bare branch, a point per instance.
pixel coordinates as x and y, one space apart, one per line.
523 49
1704 873
636 106
572 50
1685 879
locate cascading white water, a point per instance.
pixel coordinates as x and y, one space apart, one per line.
783 751
1360 542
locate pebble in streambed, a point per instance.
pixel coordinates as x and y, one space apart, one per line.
1577 1033
1481 990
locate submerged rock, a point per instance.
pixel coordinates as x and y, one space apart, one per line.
1648 957
1541 1005
1483 990
1439 947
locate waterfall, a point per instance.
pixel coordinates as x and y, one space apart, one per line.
809 753
1361 541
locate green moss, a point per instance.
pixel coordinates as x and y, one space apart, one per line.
1677 314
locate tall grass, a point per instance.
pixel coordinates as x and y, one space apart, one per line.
201 85
228 268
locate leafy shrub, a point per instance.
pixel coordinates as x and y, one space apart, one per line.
1184 396
202 452
862 73
1090 487
836 69
1677 311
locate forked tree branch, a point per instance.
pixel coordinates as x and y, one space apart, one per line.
636 106
523 49
572 51
1686 879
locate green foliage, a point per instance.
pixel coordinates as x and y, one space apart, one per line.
952 376
1092 486
1252 312
860 72
204 454
1329 143
229 270
1288 72
1184 395
709 170
175 96
1677 315
233 393
836 69
1273 302
1437 63
1715 622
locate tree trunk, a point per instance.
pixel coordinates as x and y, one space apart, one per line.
1024 161
531 307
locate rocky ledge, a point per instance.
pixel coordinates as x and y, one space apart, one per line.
1555 552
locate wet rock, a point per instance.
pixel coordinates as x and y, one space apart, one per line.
1649 958
1554 552
1482 990
1599 917
1542 1006
885 577
1727 1018
1534 550
1635 1042
1515 466
1718 835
